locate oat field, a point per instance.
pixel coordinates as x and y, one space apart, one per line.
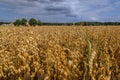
60 53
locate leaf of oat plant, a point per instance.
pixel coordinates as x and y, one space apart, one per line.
89 48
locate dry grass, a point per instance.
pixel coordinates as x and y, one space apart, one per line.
60 53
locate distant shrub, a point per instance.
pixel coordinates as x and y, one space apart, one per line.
39 23
17 22
33 22
24 22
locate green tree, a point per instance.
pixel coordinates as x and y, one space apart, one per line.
24 22
33 22
17 22
39 23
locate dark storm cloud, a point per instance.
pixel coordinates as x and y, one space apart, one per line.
59 9
18 3
56 0
41 1
45 1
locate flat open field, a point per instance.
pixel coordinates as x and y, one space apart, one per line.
60 53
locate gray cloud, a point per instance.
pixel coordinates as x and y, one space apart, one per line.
65 10
56 8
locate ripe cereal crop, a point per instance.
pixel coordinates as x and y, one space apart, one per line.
60 53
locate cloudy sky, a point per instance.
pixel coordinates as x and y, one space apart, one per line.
60 10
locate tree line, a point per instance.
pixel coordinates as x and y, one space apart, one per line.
25 22
4 23
34 22
83 23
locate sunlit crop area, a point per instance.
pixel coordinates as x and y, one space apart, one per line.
60 53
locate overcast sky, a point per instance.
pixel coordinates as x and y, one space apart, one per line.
60 10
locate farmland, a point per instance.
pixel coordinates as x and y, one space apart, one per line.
60 53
